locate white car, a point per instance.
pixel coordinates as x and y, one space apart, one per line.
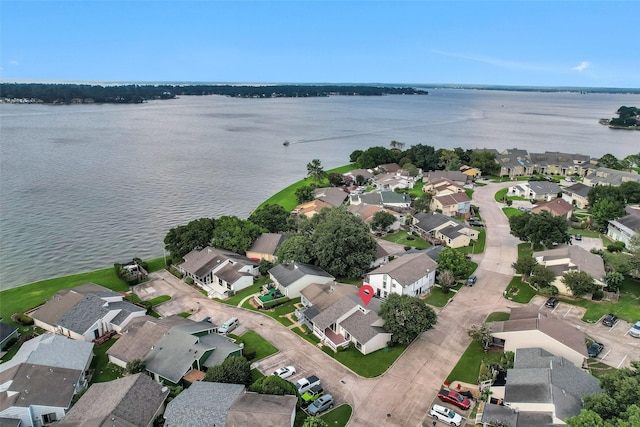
285 372
446 415
635 330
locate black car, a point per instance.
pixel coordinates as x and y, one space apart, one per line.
595 349
609 320
578 237
551 302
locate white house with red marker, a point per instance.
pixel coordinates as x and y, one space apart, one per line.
411 274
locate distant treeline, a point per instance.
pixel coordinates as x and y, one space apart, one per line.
128 94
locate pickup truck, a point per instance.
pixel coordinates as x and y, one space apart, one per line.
313 394
304 384
454 398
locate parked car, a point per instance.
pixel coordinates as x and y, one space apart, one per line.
635 330
595 349
551 302
304 384
321 404
454 398
445 415
609 320
229 325
471 280
578 236
285 372
312 395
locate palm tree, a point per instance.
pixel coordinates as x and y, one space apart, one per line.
315 171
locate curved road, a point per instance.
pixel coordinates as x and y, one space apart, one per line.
403 395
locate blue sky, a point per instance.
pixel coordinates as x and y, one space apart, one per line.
537 43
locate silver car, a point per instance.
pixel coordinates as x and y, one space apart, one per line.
635 330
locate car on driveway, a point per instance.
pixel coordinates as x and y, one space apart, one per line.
609 320
551 302
445 415
595 349
312 395
454 398
285 372
635 330
578 236
321 404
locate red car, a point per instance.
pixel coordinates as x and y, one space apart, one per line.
454 398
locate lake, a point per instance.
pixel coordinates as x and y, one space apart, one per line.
84 186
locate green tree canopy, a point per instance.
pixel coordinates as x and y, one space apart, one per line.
374 156
134 366
540 228
273 384
423 203
541 276
270 217
406 317
382 220
305 193
296 248
183 239
235 234
524 265
234 370
482 335
315 171
446 280
314 422
454 261
580 282
484 160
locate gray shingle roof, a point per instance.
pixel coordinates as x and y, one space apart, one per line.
264 410
138 337
452 231
332 195
454 176
84 314
126 309
287 274
268 243
579 189
452 199
544 187
632 222
492 413
431 220
38 385
57 306
203 404
200 262
132 400
407 269
360 325
580 257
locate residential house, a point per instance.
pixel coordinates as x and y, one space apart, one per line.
294 277
85 313
385 251
367 212
536 190
309 209
264 410
457 177
471 171
542 389
187 347
441 229
453 205
134 400
389 168
206 404
336 314
577 194
7 334
556 163
218 271
442 186
527 328
332 195
353 175
556 207
514 162
392 181
613 177
140 336
571 258
412 274
37 386
624 228
388 199
266 246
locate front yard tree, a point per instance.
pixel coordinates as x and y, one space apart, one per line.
382 220
234 370
134 366
406 317
540 228
184 238
305 194
541 276
614 280
296 248
235 234
315 171
271 217
446 279
482 335
455 261
423 203
580 282
524 266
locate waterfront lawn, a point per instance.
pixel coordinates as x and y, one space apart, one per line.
402 237
338 417
255 342
370 365
468 367
519 291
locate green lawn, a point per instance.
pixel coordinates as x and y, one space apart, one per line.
254 342
159 299
307 335
478 247
468 367
437 298
519 291
278 312
338 417
524 249
469 193
369 366
240 295
509 212
103 370
585 233
497 316
627 308
402 237
501 195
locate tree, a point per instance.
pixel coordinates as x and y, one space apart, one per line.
264 266
373 157
273 384
606 210
613 280
315 171
305 194
270 217
234 370
423 203
395 145
411 169
134 366
609 161
541 276
353 157
406 317
633 261
423 156
484 160
580 282
314 422
296 248
446 279
524 266
382 220
235 234
454 261
448 159
540 228
482 335
183 239
586 418
336 179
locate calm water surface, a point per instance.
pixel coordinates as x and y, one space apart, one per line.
84 186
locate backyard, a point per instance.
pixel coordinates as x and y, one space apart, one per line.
404 238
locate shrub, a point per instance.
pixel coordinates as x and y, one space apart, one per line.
406 248
249 355
274 303
597 295
175 272
189 281
10 344
615 247
22 319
